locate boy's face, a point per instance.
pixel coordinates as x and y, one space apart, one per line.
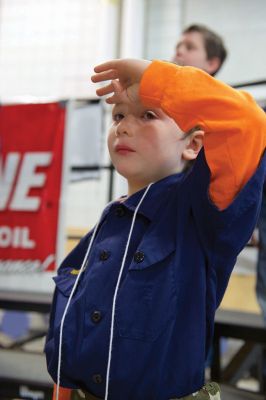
145 144
190 51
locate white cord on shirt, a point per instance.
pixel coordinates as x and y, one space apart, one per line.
66 309
116 291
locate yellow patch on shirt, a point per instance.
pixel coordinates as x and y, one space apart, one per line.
74 271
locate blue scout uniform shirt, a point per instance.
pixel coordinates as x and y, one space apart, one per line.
179 261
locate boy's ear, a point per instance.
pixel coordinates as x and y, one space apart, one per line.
213 65
195 143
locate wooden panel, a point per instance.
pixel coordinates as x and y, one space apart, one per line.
240 294
74 235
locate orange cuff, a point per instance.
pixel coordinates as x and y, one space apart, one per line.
64 393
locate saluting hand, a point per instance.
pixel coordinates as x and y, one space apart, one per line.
125 76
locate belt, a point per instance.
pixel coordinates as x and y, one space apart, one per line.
210 391
83 395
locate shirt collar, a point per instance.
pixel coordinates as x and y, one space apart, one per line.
154 197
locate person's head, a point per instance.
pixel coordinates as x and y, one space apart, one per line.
202 48
146 145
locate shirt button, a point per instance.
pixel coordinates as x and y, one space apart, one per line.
97 378
96 316
139 256
104 255
120 211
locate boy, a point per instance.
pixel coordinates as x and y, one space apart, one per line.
137 321
202 48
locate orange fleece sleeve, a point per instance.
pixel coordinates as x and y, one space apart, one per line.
64 393
234 125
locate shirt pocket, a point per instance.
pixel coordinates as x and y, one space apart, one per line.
64 284
146 301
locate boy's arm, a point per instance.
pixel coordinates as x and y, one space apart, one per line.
234 125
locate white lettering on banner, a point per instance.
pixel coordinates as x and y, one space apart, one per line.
18 237
25 391
7 177
27 178
24 266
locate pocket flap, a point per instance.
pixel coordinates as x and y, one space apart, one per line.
154 247
66 280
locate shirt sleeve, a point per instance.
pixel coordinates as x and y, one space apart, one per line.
234 125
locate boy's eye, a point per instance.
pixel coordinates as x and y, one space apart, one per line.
149 115
117 117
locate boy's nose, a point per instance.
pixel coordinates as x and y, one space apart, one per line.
122 129
120 132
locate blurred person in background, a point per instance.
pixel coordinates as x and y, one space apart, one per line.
200 47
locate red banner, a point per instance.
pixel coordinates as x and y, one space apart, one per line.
31 159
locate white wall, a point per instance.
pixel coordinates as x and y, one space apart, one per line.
163 27
48 47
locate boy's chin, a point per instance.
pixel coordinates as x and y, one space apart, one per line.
126 173
133 178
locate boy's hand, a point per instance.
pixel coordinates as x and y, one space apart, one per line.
125 74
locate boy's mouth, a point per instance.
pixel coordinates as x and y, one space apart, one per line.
123 149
